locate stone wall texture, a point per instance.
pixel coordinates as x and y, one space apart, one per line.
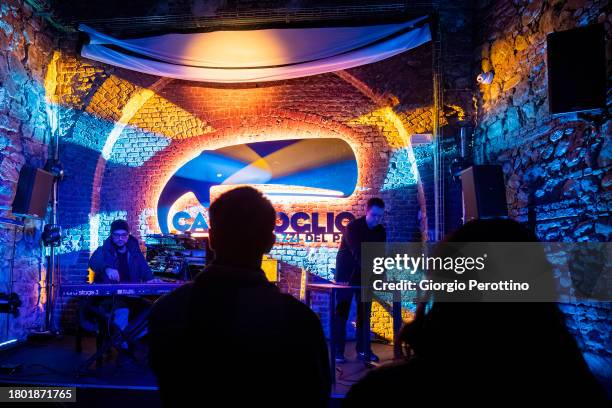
557 169
26 49
123 134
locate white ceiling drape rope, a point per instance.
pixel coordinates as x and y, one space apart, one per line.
256 55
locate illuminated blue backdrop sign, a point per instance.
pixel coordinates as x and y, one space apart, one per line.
299 227
324 167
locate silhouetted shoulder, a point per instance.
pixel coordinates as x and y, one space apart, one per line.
299 310
303 324
175 298
168 309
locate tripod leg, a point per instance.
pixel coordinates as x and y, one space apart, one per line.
78 339
100 350
102 347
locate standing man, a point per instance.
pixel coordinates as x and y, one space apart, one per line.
368 228
230 334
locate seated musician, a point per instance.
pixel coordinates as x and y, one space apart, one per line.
120 260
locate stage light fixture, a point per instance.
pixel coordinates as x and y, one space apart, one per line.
56 168
9 303
52 235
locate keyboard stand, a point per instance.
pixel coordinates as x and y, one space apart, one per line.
131 333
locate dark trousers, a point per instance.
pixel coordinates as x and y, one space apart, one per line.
344 298
99 310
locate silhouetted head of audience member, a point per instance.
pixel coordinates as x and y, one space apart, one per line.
467 353
242 225
479 328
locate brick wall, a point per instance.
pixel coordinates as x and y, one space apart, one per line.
26 50
557 168
124 134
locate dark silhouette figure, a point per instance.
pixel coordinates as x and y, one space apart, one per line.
364 229
230 337
485 353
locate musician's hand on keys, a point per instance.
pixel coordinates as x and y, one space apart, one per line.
112 274
156 280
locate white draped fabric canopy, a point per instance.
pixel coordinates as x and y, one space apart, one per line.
256 55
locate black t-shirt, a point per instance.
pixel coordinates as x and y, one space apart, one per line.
123 267
348 260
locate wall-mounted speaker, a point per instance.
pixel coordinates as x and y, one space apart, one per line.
33 191
576 62
484 192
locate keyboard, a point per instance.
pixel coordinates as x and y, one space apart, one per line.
123 289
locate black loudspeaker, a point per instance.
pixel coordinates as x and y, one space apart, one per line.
576 62
484 192
33 191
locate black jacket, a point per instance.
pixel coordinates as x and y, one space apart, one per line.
348 259
231 336
106 257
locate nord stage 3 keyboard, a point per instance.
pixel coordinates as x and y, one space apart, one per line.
124 289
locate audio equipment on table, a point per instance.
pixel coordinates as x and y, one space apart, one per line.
176 256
